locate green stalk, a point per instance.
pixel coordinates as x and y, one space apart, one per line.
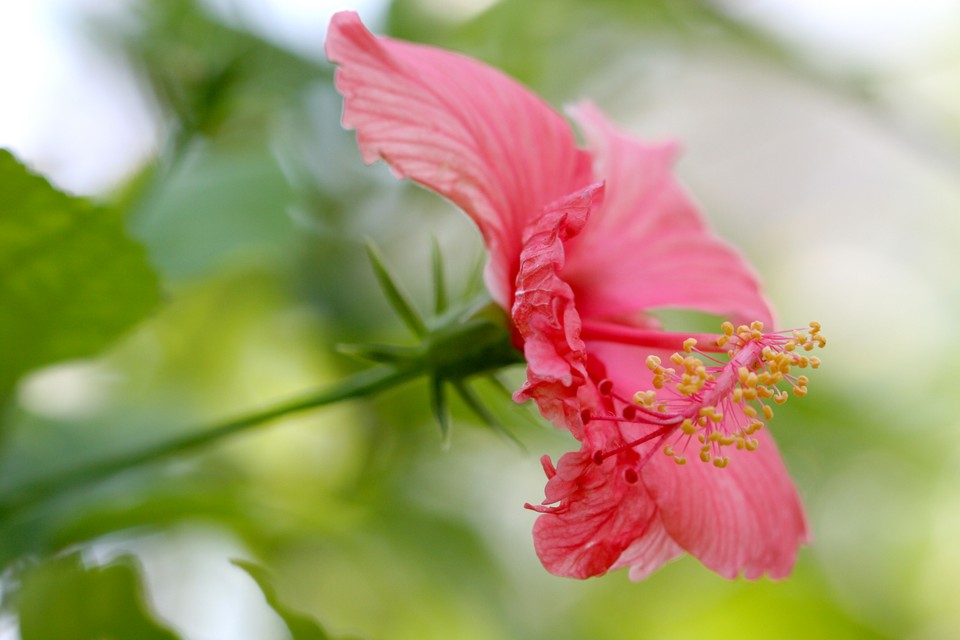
364 383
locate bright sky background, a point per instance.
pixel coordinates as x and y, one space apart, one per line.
76 116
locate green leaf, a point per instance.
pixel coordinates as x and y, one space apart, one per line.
71 280
65 600
397 297
301 627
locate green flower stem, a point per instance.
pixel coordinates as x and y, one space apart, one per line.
361 384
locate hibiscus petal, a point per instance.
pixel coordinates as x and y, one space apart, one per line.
544 313
648 247
744 518
600 515
460 128
649 552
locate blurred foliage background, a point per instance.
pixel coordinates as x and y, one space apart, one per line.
216 258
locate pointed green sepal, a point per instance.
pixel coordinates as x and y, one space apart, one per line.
440 302
379 353
396 296
440 407
473 401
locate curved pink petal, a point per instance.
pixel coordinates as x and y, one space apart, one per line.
649 552
746 518
544 313
462 129
648 247
600 515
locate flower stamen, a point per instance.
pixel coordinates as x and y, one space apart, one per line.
721 403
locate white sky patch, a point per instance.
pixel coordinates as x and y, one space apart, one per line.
860 31
69 111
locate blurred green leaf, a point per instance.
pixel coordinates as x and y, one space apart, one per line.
220 204
209 77
301 627
65 600
71 280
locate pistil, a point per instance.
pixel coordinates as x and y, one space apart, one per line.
651 338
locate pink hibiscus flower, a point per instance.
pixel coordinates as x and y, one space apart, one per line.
583 244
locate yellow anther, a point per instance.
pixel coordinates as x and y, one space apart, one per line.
768 412
780 397
680 460
676 359
645 398
720 463
790 345
808 346
799 391
723 340
766 378
705 456
756 325
803 381
814 327
753 427
687 427
689 344
752 444
815 362
727 328
669 451
738 394
653 363
749 411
